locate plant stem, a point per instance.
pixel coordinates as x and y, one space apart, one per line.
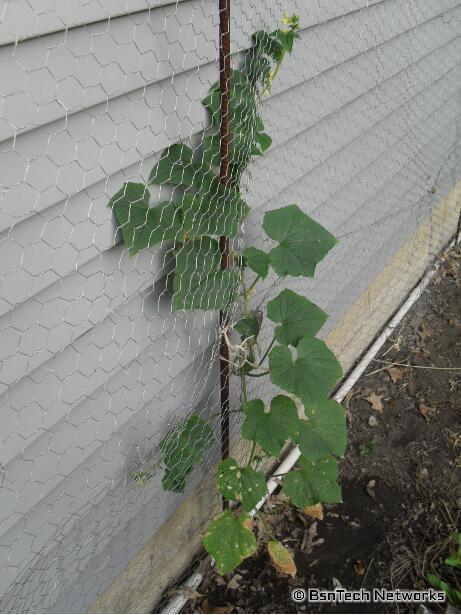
244 388
391 363
251 287
245 291
258 375
252 453
277 67
245 313
267 352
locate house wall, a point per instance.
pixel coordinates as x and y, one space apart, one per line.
94 367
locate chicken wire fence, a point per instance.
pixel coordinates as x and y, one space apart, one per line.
96 367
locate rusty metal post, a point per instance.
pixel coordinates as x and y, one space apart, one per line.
224 175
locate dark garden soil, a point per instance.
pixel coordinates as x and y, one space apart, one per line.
401 479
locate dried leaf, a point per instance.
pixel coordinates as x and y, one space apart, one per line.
315 511
424 331
281 558
234 582
278 498
425 410
306 545
360 568
188 592
375 401
209 608
218 579
395 373
412 386
347 399
371 489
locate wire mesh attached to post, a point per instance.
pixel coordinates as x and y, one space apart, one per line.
117 402
224 175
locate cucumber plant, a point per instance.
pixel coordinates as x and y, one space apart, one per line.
200 211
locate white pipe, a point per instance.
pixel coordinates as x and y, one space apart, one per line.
177 603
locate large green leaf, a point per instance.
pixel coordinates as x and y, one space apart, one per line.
242 102
141 225
302 242
271 429
257 68
213 215
259 124
175 167
182 449
313 373
215 209
241 147
242 105
238 78
211 150
268 44
198 282
313 483
248 327
263 140
241 483
229 540
297 317
257 260
324 431
286 39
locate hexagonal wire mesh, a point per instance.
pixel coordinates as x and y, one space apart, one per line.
95 366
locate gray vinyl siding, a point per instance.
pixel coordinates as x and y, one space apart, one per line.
94 367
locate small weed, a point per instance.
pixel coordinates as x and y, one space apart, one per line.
454 562
367 448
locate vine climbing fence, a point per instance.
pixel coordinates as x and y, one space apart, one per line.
104 354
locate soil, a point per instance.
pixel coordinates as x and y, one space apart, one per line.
401 479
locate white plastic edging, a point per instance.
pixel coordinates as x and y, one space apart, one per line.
176 604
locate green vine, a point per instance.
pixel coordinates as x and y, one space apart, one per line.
201 210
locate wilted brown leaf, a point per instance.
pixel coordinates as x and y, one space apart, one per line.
218 579
277 500
395 373
315 511
374 400
189 593
281 558
371 489
347 399
424 331
425 410
206 607
234 582
248 523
